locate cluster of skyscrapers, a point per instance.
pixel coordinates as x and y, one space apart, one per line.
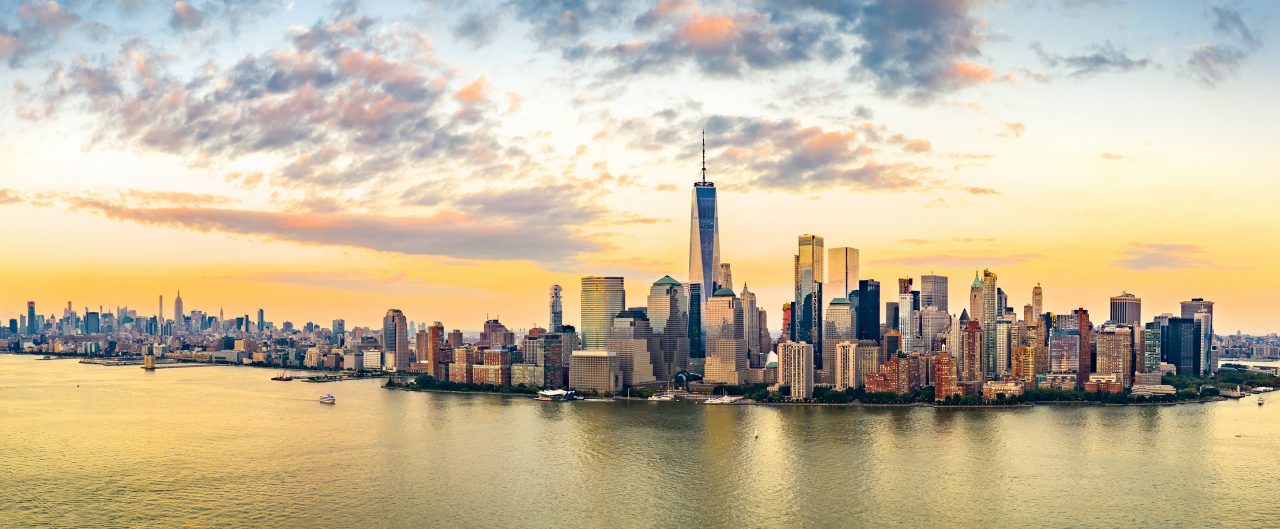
839 329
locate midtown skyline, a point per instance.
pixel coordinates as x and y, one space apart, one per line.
1103 162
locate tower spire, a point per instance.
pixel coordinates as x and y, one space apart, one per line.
704 156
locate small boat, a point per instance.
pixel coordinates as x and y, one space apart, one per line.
327 398
726 399
45 357
662 397
1260 401
554 395
757 433
284 377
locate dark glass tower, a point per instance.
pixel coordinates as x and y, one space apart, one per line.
868 310
704 254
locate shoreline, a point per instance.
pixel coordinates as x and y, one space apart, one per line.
1021 405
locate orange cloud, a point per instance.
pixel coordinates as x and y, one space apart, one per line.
970 72
474 92
708 31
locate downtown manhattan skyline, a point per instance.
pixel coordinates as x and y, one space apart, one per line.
330 161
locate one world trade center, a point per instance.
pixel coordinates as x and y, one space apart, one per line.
704 255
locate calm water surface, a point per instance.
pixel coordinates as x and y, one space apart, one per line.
84 445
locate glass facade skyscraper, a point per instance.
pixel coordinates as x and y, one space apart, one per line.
602 299
867 310
809 268
704 254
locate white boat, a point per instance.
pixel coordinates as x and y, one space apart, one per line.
726 399
328 399
554 395
1260 401
662 397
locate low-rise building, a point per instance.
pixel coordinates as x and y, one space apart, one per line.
1009 388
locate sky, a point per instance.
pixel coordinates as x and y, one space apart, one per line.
456 159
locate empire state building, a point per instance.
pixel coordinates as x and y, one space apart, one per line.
704 254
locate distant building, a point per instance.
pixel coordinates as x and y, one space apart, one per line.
867 309
1127 309
602 298
1115 352
669 320
795 368
630 339
557 309
726 349
595 370
933 292
944 377
992 390
809 271
395 339
837 329
842 271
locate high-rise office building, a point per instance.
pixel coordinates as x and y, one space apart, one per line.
795 368
867 324
339 330
1115 352
704 253
726 276
669 319
845 361
395 338
842 272
1180 344
178 312
990 301
906 314
435 357
262 320
838 328
557 310
32 326
1126 308
934 325
933 292
1037 301
1084 367
975 298
1151 338
726 348
808 293
1204 333
602 298
750 324
891 315
1189 310
630 337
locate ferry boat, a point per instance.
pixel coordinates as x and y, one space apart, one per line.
327 398
554 395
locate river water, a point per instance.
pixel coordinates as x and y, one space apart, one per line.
85 445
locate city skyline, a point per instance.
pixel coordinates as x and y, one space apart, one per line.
968 160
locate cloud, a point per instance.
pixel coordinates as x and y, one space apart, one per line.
1210 63
40 23
560 23
1105 58
965 240
7 196
981 191
1014 129
493 234
1145 256
477 29
917 49
953 260
356 280
185 16
1112 156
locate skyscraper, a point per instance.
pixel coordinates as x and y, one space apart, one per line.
338 329
795 368
1189 311
704 250
867 325
557 310
990 302
750 323
262 323
1037 301
32 326
669 319
602 298
178 313
1115 351
975 298
842 272
837 329
906 314
726 276
1181 346
1204 333
726 348
1126 308
808 293
395 338
933 292
1084 367
629 338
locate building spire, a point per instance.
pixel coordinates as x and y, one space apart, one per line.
704 156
